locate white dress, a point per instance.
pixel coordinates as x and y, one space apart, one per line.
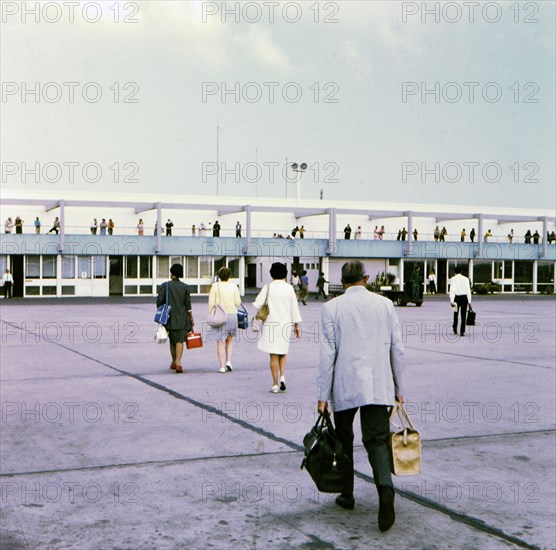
284 312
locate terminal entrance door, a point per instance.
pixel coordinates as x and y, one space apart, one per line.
116 276
16 269
441 283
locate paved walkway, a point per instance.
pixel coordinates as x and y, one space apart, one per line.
102 446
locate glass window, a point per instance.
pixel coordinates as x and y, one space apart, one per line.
545 272
32 267
145 289
233 264
163 271
219 261
130 289
32 291
205 267
83 267
99 267
49 291
524 271
499 270
131 267
68 291
49 267
145 267
68 267
192 267
482 271
3 264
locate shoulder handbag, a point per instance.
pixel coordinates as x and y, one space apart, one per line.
217 316
162 314
264 311
471 316
161 335
193 340
242 318
405 445
324 458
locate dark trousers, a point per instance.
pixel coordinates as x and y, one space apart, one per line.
321 291
7 289
462 302
375 426
432 287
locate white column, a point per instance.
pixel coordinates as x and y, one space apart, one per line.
535 275
242 276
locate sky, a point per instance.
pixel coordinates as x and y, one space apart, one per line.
405 102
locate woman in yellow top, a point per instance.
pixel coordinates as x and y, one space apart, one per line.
227 295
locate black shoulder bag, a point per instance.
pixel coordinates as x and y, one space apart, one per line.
324 458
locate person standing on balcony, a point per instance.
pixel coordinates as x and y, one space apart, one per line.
347 232
462 235
415 234
443 234
55 226
358 232
381 233
18 226
302 232
94 226
238 230
140 227
111 226
536 237
169 226
8 225
37 225
472 235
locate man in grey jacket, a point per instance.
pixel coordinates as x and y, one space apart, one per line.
361 359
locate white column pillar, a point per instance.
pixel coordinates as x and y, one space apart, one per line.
242 276
535 275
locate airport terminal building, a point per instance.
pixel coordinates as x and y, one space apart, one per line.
69 260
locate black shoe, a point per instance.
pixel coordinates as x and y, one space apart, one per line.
304 303
346 502
462 334
455 331
386 513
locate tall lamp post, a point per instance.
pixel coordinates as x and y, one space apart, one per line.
298 169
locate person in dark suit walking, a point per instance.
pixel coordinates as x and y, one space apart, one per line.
181 316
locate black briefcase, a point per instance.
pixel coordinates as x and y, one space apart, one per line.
324 458
471 316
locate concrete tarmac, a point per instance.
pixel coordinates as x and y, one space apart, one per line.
104 447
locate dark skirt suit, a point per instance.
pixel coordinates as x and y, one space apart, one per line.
180 301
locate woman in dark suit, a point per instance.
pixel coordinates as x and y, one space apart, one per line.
181 316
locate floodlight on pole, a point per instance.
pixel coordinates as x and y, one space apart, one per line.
298 169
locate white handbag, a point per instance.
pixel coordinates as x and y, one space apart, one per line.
161 335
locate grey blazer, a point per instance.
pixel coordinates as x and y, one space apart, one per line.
361 351
180 301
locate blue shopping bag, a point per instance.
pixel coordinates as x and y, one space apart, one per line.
162 314
242 318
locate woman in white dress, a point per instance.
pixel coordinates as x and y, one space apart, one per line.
283 315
